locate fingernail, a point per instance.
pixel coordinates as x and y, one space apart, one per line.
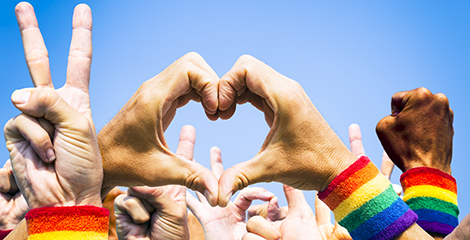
20 96
208 196
50 155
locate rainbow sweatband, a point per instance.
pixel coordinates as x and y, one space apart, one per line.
432 194
364 202
76 222
4 233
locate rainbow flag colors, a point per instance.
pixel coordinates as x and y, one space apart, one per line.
364 202
432 194
76 222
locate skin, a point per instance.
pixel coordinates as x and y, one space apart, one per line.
300 222
132 144
108 203
419 131
462 231
55 178
301 150
229 222
13 206
157 212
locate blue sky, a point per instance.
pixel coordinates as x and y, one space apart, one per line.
350 57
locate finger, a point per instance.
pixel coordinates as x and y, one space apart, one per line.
397 188
45 102
275 213
157 197
322 212
247 195
261 227
340 233
7 179
387 166
194 205
79 62
192 68
37 57
28 128
132 206
239 177
295 199
258 210
186 142
216 162
399 101
252 236
355 139
201 198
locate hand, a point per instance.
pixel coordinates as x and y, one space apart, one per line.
355 140
13 206
301 150
46 115
108 203
419 131
299 223
228 222
133 140
269 210
157 212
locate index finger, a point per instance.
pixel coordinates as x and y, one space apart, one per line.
35 51
387 166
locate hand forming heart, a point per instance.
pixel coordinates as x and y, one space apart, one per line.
301 150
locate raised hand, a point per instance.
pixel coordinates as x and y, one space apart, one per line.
13 206
157 212
132 143
52 127
299 223
229 222
419 131
301 150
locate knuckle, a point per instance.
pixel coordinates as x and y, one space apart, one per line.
442 99
423 93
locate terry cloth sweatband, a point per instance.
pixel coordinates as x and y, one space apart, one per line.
76 222
364 202
4 233
432 194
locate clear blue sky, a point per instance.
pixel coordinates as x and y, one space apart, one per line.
350 57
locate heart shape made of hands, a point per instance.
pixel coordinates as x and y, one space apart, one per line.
300 150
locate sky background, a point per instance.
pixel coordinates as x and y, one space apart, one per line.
349 56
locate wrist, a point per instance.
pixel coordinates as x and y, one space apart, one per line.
364 202
346 159
432 194
75 222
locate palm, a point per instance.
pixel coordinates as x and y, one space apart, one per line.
229 221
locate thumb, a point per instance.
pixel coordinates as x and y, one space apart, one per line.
202 180
44 102
239 177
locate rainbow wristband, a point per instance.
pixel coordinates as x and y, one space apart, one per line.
76 222
4 233
364 202
432 194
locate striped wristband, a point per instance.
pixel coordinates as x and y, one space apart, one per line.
364 202
76 222
432 194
